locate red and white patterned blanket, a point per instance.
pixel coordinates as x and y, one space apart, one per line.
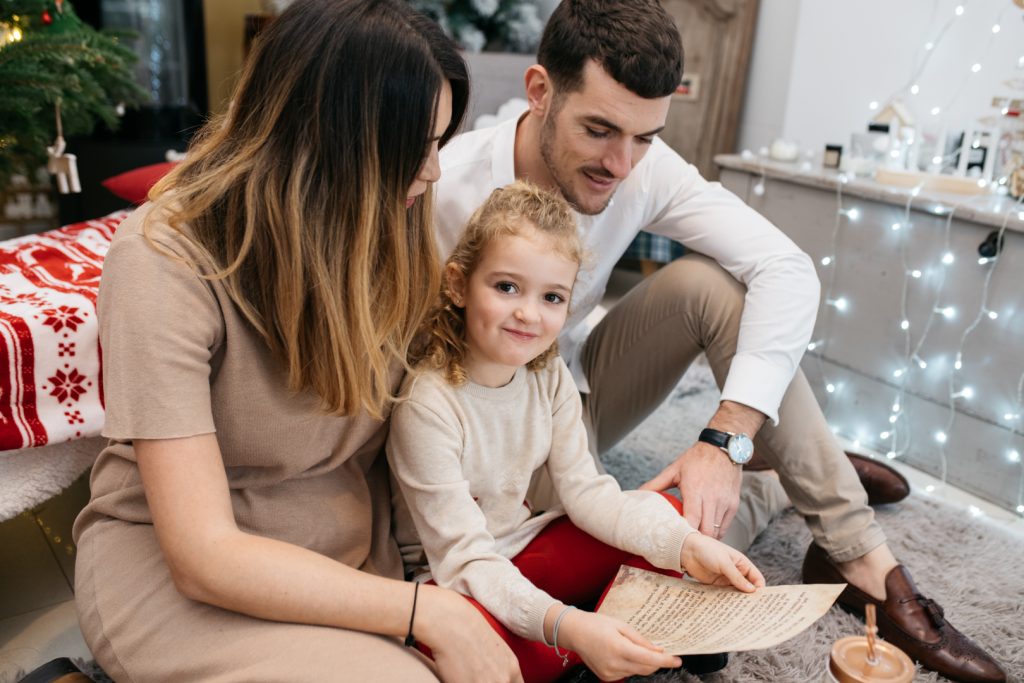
50 363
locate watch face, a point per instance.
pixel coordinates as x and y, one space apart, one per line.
741 449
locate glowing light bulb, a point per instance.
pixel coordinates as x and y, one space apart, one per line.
966 393
948 258
929 488
948 312
936 110
1013 455
759 188
1020 509
892 419
905 325
996 28
830 388
929 45
891 455
856 444
983 260
896 407
936 159
974 510
841 303
826 260
1010 416
898 373
959 10
975 68
941 437
914 89
873 106
885 435
959 361
915 274
992 315
896 226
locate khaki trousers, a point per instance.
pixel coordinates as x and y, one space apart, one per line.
639 351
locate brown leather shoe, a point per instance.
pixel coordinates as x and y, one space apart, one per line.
911 622
883 484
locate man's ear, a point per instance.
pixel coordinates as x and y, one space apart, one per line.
455 284
539 89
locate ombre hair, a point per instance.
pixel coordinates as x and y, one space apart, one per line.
298 192
514 209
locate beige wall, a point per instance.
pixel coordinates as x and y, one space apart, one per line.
225 34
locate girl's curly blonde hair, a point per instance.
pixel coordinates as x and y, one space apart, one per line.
510 210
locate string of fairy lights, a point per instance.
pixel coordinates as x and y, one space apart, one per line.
922 270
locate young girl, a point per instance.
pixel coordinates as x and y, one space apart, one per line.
491 406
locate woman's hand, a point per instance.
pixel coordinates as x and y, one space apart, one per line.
713 562
464 646
611 648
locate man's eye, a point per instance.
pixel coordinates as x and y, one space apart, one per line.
645 141
506 287
594 133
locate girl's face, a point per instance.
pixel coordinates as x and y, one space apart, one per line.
430 170
516 302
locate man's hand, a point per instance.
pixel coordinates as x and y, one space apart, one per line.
708 481
709 484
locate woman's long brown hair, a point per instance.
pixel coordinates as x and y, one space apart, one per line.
298 192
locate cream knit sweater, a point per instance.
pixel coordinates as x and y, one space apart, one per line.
463 458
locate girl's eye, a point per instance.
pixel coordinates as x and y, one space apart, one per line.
506 287
553 298
597 133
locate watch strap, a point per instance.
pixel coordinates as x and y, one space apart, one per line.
715 437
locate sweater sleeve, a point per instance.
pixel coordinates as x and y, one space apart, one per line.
639 522
424 450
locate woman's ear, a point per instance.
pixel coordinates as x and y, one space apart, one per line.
455 283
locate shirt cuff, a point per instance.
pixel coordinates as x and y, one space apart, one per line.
757 384
537 611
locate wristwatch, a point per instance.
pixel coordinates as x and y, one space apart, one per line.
738 447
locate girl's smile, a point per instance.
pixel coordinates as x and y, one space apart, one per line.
515 301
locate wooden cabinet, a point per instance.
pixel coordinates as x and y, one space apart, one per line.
717 38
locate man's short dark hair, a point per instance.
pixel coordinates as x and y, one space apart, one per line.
636 42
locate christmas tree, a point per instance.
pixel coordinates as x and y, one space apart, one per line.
498 25
51 61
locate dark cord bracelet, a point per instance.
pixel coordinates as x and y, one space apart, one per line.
410 640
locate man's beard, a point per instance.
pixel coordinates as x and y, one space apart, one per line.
547 153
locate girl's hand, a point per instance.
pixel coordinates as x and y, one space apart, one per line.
713 562
464 646
612 649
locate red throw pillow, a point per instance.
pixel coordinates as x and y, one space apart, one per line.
133 186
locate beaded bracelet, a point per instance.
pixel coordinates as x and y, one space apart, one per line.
554 636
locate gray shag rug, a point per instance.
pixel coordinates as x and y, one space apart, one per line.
971 566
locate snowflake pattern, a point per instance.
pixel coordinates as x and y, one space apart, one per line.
31 298
68 386
63 316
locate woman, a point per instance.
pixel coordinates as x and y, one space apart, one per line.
254 317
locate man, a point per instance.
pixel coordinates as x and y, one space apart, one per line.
747 299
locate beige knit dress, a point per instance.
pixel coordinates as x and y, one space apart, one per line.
180 360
